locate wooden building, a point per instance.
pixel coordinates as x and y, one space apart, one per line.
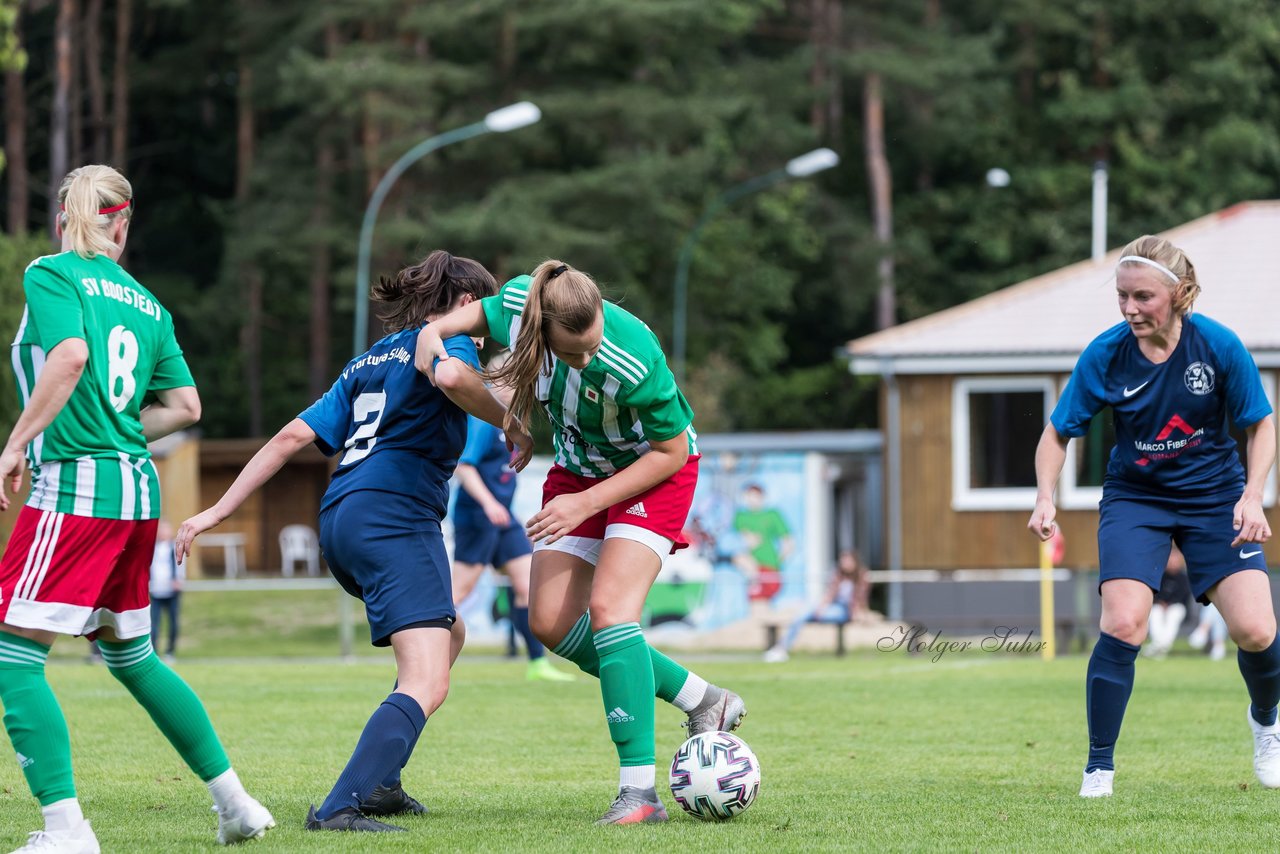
291 497
966 392
193 475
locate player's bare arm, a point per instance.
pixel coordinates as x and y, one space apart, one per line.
295 436
565 512
466 320
1250 521
1051 455
62 371
462 385
174 409
470 480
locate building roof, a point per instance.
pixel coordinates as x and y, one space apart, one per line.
1043 323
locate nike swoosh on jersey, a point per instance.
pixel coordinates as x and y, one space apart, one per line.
1130 392
1245 554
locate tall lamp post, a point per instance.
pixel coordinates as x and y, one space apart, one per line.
499 121
818 160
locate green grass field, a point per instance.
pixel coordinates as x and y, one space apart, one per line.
877 751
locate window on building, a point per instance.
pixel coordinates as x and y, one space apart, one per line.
1091 452
996 424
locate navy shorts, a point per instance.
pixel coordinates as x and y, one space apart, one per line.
1134 536
487 544
389 554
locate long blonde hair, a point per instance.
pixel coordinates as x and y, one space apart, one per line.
558 295
1175 261
83 196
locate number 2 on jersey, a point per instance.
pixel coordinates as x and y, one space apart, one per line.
367 412
122 358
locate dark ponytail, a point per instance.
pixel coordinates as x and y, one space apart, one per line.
430 287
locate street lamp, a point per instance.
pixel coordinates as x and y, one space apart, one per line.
815 161
499 121
998 178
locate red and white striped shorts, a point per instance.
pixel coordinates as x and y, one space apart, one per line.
77 574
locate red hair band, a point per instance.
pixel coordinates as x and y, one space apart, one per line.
104 211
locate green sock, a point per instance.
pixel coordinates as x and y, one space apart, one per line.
171 703
577 646
626 684
34 720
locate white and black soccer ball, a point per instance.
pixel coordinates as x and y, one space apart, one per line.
715 776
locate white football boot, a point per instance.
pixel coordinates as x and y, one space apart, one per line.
244 819
1266 752
79 840
1097 784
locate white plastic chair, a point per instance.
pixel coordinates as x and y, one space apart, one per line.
299 543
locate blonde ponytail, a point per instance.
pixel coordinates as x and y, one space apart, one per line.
558 294
92 198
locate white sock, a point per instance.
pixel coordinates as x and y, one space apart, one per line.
636 776
225 788
691 693
62 815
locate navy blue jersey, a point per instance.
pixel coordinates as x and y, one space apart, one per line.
1172 433
486 449
397 432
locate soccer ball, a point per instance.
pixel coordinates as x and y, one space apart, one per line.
715 776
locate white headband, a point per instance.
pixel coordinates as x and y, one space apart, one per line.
1173 277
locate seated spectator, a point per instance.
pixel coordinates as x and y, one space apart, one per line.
1170 607
1211 632
845 600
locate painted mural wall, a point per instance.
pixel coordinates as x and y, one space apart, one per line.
751 532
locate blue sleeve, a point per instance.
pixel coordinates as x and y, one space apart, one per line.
1247 402
479 438
330 417
462 347
1084 396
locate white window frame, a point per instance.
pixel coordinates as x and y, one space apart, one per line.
1074 497
964 497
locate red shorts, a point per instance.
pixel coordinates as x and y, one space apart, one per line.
768 582
662 509
76 574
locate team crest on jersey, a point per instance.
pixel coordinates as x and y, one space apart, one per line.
592 395
1199 378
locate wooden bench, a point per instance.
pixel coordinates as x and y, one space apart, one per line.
773 630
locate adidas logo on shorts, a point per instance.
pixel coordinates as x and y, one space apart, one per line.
619 716
637 509
25 761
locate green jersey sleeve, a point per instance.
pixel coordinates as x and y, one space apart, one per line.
662 409
503 310
171 367
54 306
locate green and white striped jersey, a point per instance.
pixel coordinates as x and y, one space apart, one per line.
605 415
92 460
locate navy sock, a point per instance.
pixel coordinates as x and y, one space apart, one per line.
387 738
520 619
1108 684
393 779
1261 672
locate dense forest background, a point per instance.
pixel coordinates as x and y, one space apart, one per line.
255 131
